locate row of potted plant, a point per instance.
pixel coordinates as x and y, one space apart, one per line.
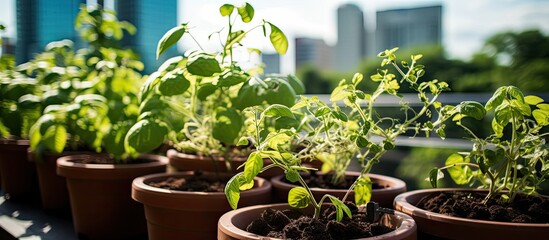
239 126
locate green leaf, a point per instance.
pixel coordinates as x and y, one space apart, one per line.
227 126
363 190
298 197
496 99
173 84
245 185
243 141
460 173
145 136
434 175
170 38
205 90
232 191
203 65
533 100
339 93
253 166
149 84
471 109
361 142
56 138
340 208
340 115
226 9
278 39
278 110
441 133
521 107
541 116
292 175
296 84
503 114
498 129
246 12
515 93
230 78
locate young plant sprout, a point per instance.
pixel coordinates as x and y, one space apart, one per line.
512 159
196 101
328 133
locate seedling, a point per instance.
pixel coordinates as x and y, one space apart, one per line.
513 158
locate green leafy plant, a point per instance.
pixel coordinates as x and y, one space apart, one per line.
91 95
328 133
195 101
512 159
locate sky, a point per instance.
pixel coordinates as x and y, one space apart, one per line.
466 23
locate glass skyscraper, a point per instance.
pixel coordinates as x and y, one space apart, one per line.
407 28
351 38
152 19
42 21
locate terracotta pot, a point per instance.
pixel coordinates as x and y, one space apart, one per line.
232 225
53 188
435 225
100 198
383 196
191 162
189 215
18 174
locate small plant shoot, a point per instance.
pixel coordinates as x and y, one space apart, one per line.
506 162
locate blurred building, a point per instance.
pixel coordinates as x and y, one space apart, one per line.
272 63
406 28
8 46
312 51
42 21
351 38
152 19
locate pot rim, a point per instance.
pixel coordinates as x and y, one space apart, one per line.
398 183
173 153
67 162
408 223
139 184
403 204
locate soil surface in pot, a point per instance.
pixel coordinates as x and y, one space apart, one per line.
108 160
292 224
315 180
195 183
525 209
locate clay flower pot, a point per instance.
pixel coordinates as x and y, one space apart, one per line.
191 162
232 225
189 215
100 196
435 225
53 188
384 196
18 174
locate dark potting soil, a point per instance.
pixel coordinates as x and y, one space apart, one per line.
315 180
524 209
99 159
292 224
195 183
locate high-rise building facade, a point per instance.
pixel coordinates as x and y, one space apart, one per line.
272 63
312 51
152 19
406 28
42 21
351 38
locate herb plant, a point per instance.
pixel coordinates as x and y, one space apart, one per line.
91 98
513 158
328 133
195 101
